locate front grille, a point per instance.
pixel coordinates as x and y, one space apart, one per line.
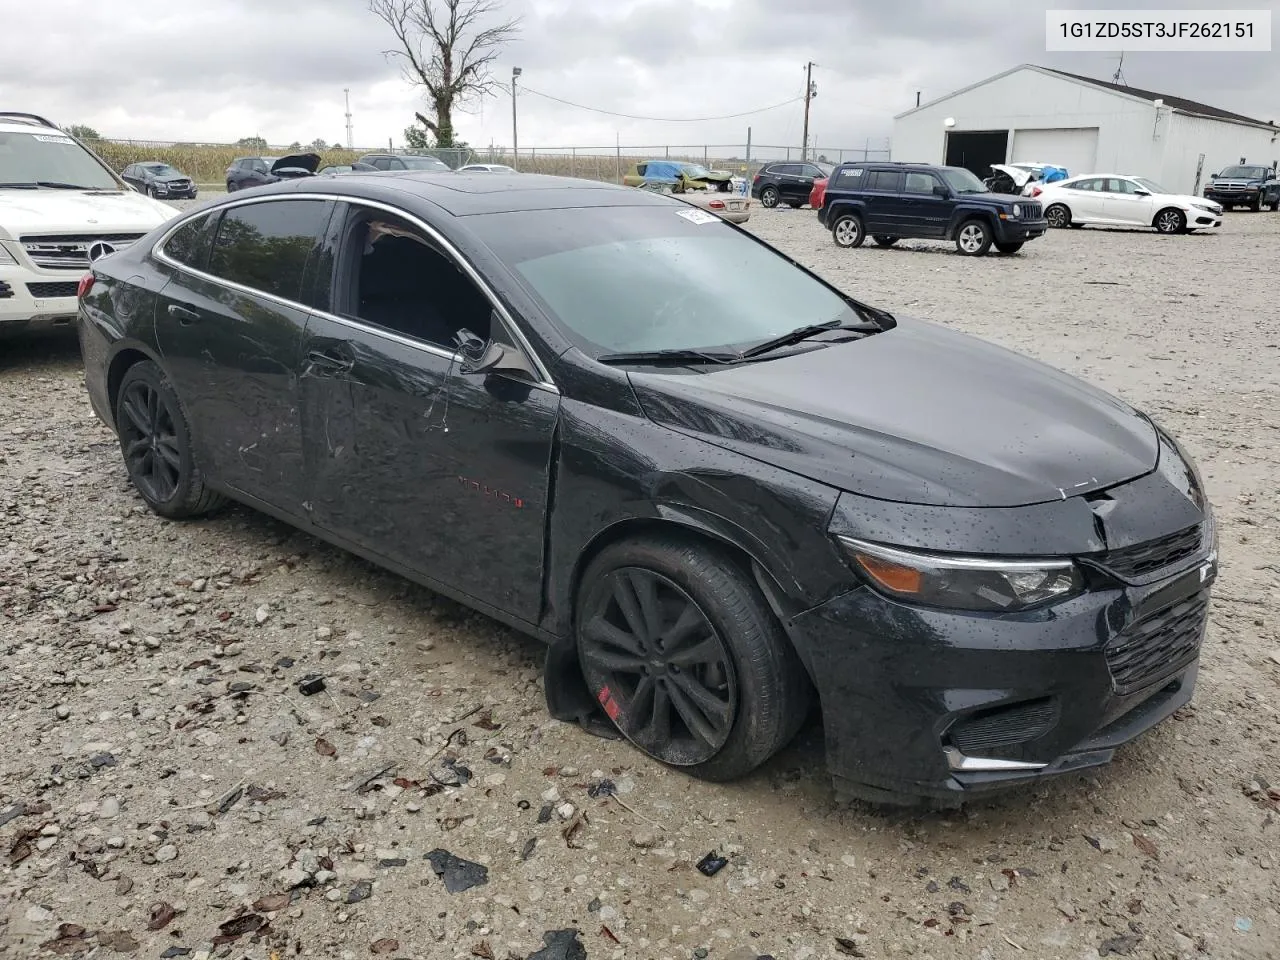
1006 726
60 288
177 186
1133 563
1154 648
71 252
1031 210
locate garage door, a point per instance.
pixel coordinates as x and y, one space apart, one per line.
1076 149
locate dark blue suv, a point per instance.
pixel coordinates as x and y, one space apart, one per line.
889 201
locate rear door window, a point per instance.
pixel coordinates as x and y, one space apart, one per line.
267 246
887 180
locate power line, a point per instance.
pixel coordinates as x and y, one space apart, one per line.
629 116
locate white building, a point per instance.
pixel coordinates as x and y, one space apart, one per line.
1033 113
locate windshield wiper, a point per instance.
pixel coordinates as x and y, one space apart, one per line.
669 356
804 333
58 185
24 185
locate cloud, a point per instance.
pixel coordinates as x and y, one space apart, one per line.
224 69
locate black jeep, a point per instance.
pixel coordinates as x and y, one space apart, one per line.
889 201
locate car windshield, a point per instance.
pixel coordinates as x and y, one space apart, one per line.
962 181
657 277
694 170
1149 185
1250 173
29 158
161 169
826 168
424 163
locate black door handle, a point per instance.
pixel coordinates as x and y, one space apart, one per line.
328 362
182 314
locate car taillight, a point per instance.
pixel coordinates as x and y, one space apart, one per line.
716 204
84 286
756 178
1036 191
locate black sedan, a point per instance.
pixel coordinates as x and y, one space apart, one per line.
710 500
159 180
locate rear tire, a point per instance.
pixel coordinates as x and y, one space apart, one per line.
668 628
973 238
883 241
155 441
769 197
848 232
794 205
1010 248
1256 206
1058 215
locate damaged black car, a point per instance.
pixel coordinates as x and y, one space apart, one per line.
721 506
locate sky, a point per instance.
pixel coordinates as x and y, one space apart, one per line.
218 70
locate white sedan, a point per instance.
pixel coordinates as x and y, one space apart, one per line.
1114 200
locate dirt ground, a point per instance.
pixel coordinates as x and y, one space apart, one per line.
166 787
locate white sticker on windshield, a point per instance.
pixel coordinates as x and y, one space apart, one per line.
44 138
698 216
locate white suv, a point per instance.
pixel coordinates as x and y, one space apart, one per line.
61 207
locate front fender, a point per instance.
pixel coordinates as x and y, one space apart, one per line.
619 474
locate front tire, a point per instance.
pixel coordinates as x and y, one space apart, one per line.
684 654
769 197
1170 221
1256 206
973 239
848 231
155 441
1058 215
883 241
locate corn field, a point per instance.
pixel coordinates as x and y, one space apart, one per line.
207 163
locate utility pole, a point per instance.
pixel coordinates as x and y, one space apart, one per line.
346 92
917 98
808 95
515 136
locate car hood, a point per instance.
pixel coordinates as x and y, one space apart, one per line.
918 414
169 177
76 211
297 161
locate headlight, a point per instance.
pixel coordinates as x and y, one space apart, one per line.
966 583
1017 209
1206 207
6 258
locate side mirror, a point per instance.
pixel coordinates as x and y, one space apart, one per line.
941 191
481 356
1215 176
1142 193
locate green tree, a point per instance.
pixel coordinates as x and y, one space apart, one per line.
446 48
417 138
83 132
255 143
319 145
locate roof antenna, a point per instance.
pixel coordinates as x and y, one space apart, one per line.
1118 76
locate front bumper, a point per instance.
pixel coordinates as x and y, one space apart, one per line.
36 298
1019 231
1227 198
941 704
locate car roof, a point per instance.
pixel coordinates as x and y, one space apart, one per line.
463 196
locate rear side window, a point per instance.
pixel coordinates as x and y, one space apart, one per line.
190 243
883 180
266 246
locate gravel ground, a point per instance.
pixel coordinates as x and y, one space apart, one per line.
165 786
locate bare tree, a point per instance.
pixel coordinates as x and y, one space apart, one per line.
446 47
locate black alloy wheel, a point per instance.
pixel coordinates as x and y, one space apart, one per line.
155 441
682 651
149 441
659 668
